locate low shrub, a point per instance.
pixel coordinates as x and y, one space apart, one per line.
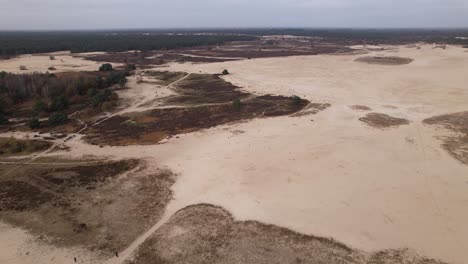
34 123
106 67
296 100
58 118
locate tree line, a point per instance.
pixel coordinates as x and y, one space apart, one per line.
15 43
55 93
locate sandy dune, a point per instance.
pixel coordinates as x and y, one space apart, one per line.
64 61
330 174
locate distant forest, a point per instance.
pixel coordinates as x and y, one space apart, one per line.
15 43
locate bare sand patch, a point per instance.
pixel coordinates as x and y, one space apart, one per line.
41 63
379 120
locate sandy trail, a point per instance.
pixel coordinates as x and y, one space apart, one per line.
138 95
333 176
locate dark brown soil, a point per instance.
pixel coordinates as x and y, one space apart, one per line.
209 234
153 126
20 196
385 60
457 146
360 108
149 58
12 146
103 206
227 52
205 89
378 120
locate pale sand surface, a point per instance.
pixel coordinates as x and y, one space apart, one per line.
64 61
17 246
333 176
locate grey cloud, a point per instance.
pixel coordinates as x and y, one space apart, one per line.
92 14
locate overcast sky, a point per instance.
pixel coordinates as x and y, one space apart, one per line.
105 14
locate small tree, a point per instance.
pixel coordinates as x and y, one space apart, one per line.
130 67
296 100
225 72
39 106
122 83
3 119
34 123
236 104
58 118
80 87
59 103
106 67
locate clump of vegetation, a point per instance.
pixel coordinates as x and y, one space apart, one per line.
3 119
58 118
13 146
98 97
39 107
236 104
51 68
59 103
34 123
106 67
15 43
296 100
225 72
132 123
52 57
23 68
130 67
57 92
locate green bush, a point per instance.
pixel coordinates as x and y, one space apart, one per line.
34 123
100 97
130 67
39 106
58 118
58 103
236 104
225 72
296 100
3 119
106 67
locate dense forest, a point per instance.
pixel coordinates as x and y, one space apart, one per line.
377 36
14 43
49 93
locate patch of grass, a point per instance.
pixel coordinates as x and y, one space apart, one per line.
13 146
131 123
58 118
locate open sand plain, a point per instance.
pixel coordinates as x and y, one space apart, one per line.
327 174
